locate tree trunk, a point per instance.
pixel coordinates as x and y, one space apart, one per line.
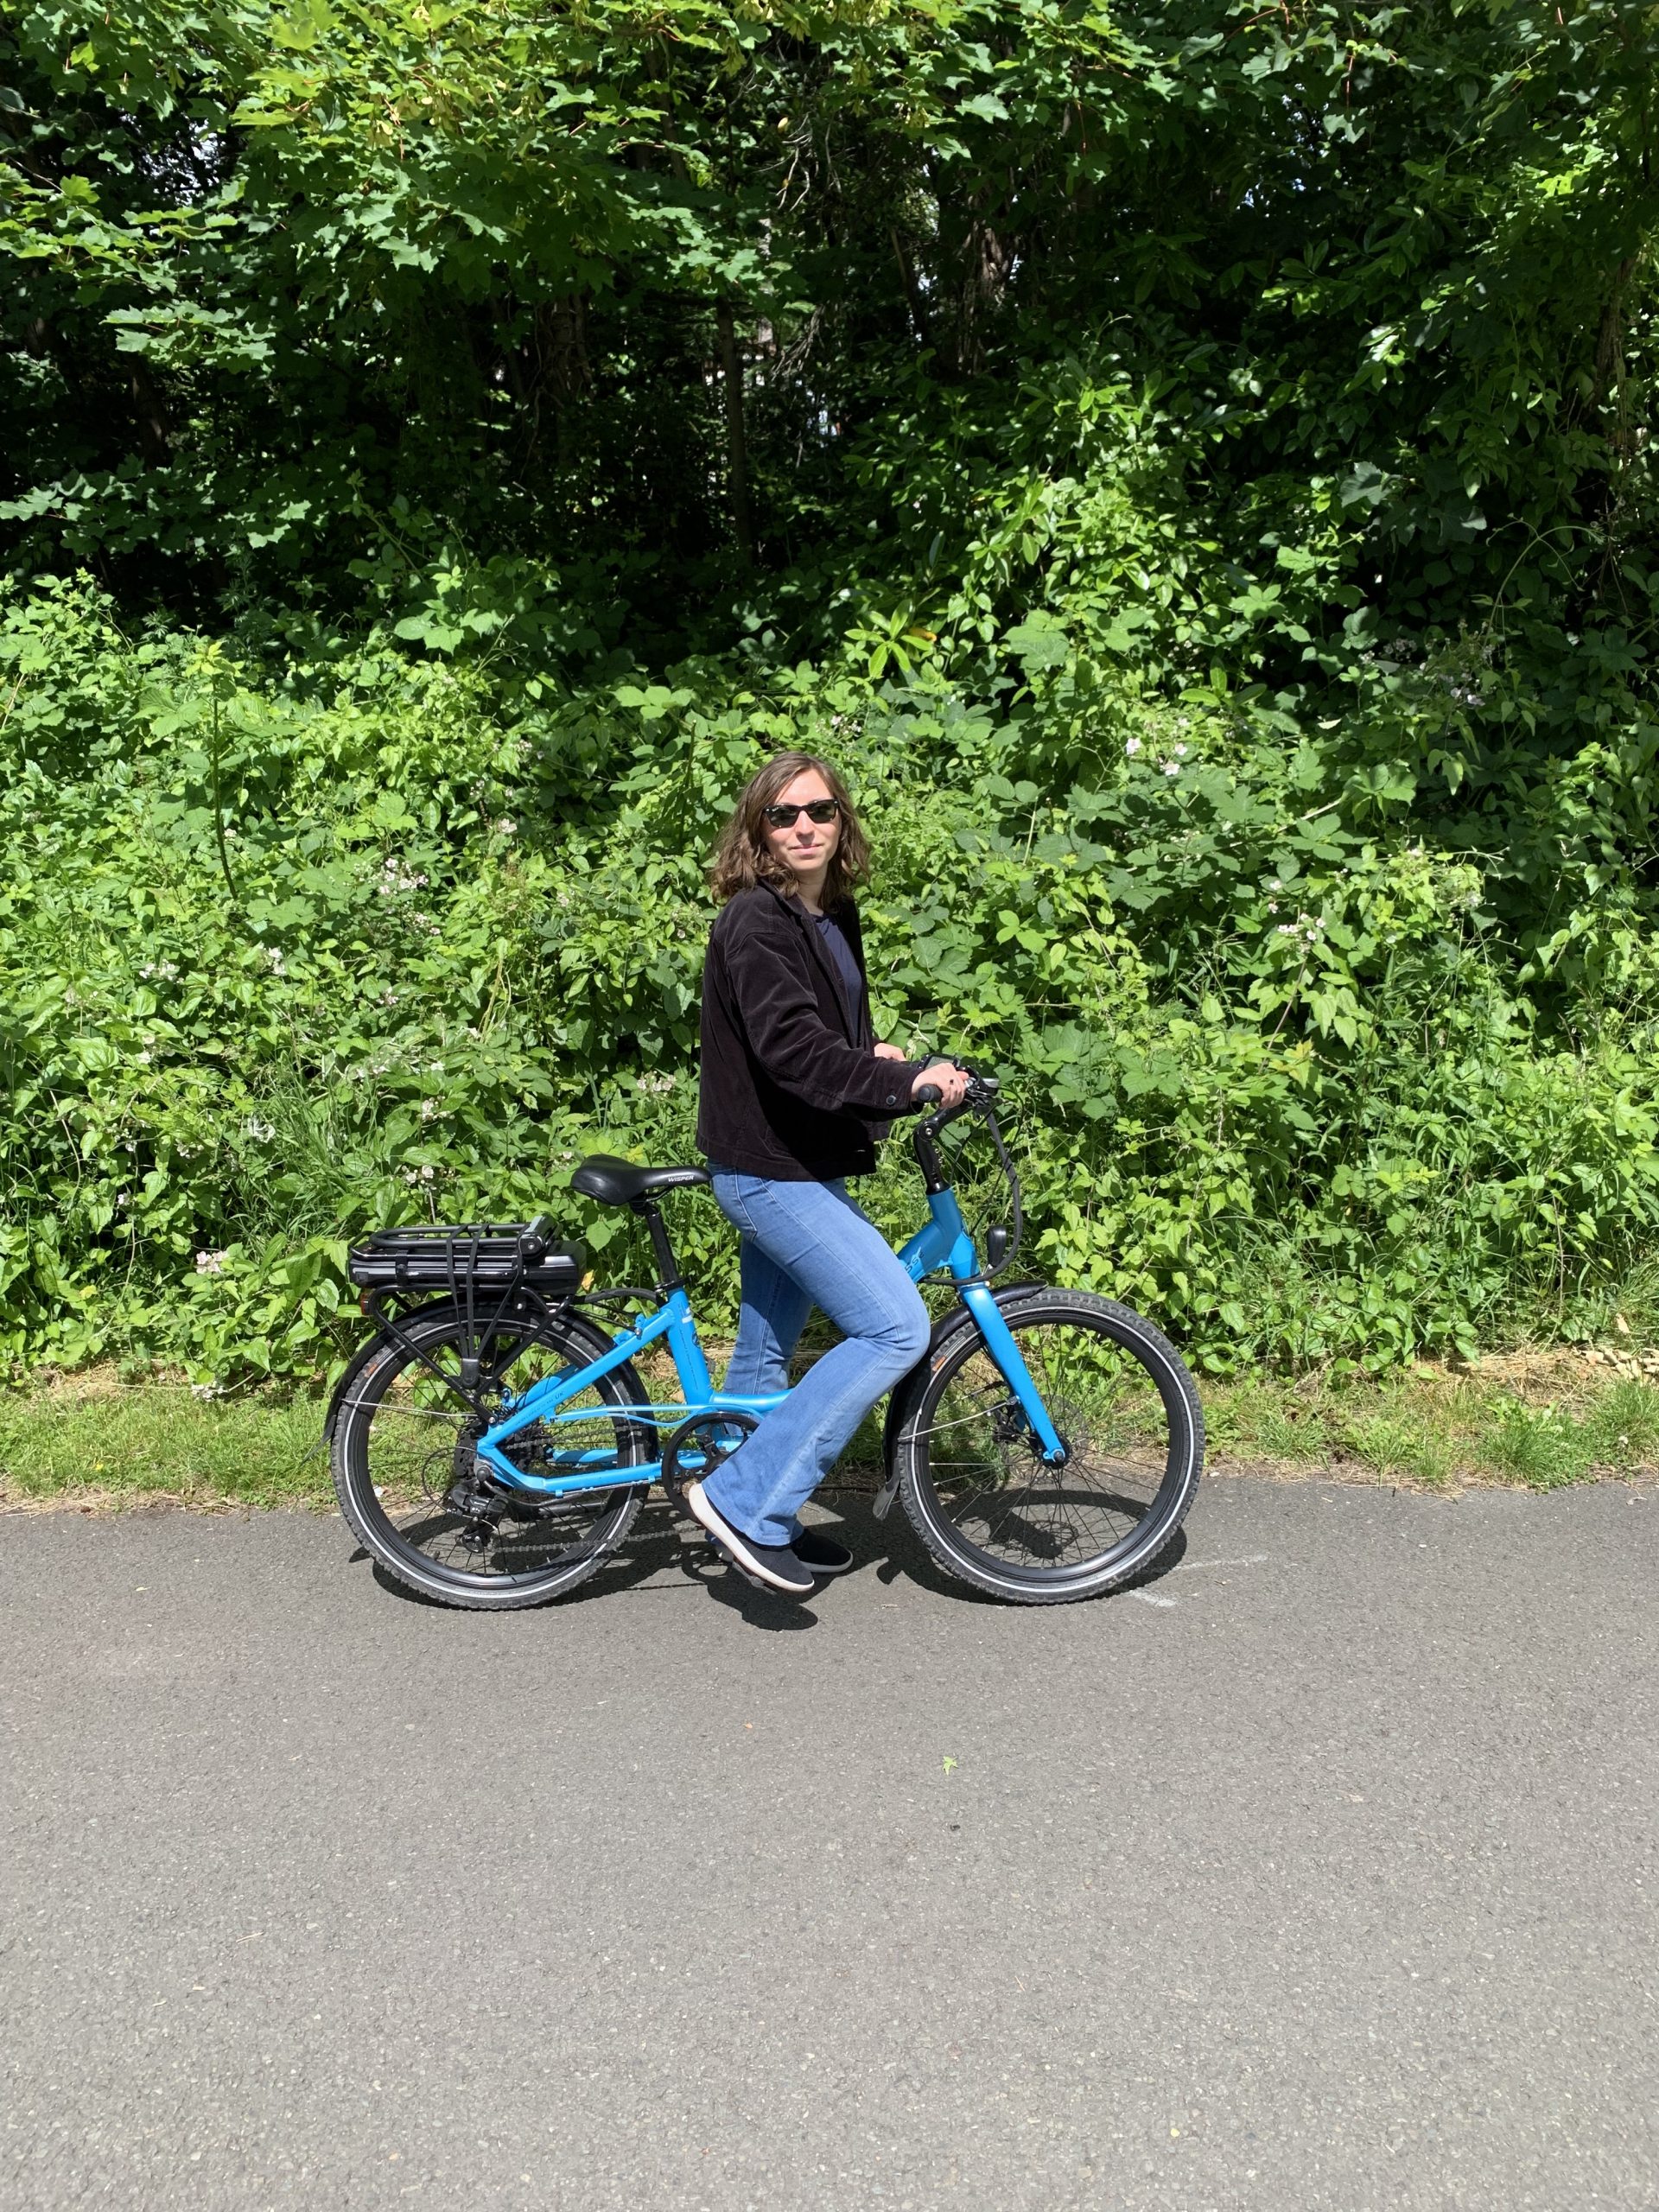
737 453
913 298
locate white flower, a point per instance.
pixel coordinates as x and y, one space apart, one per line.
1133 746
206 1389
261 1132
395 877
211 1264
1305 928
1180 753
1171 767
429 1110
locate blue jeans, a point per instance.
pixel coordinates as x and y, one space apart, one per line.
807 1245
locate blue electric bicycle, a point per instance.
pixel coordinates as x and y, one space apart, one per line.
493 1444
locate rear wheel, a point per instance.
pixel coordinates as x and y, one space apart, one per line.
973 1479
413 1489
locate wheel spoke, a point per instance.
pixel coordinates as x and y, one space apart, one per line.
409 1468
990 1484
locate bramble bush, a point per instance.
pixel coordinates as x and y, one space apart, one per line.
294 947
1190 464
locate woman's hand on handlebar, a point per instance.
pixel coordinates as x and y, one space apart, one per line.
944 1077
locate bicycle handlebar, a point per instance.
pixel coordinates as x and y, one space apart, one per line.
1001 1244
981 1089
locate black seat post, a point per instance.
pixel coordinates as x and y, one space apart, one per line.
667 1268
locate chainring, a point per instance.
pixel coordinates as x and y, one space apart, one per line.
706 1441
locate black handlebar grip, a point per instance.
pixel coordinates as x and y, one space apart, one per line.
929 1095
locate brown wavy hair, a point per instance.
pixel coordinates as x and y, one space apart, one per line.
742 858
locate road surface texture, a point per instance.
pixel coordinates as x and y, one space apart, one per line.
1321 1874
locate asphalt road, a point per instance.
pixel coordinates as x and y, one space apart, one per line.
1320 1873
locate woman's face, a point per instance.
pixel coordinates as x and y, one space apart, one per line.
805 846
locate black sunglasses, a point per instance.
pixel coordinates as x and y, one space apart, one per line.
820 810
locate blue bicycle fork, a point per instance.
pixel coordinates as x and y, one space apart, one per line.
945 1242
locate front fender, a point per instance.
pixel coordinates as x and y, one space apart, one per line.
909 1387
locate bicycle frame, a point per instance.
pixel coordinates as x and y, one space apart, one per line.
943 1242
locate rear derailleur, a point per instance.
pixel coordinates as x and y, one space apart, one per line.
478 1496
475 1494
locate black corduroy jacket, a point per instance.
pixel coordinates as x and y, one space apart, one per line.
786 1091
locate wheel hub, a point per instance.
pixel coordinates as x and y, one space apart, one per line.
1009 1425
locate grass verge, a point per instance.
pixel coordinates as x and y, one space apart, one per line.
1538 1421
90 1440
1535 1420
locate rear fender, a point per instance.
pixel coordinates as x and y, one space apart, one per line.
359 1360
597 1341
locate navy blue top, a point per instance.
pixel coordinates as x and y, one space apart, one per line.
852 983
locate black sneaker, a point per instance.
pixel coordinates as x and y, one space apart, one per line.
821 1553
775 1565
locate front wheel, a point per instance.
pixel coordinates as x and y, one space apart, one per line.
972 1474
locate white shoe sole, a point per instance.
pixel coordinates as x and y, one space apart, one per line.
723 1532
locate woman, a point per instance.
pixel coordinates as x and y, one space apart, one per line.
795 1091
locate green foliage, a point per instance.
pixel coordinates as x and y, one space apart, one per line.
1245 337
1189 465
286 951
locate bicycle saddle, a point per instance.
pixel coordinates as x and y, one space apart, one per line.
619 1182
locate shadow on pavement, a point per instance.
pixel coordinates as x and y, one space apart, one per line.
636 1561
899 1551
891 1549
